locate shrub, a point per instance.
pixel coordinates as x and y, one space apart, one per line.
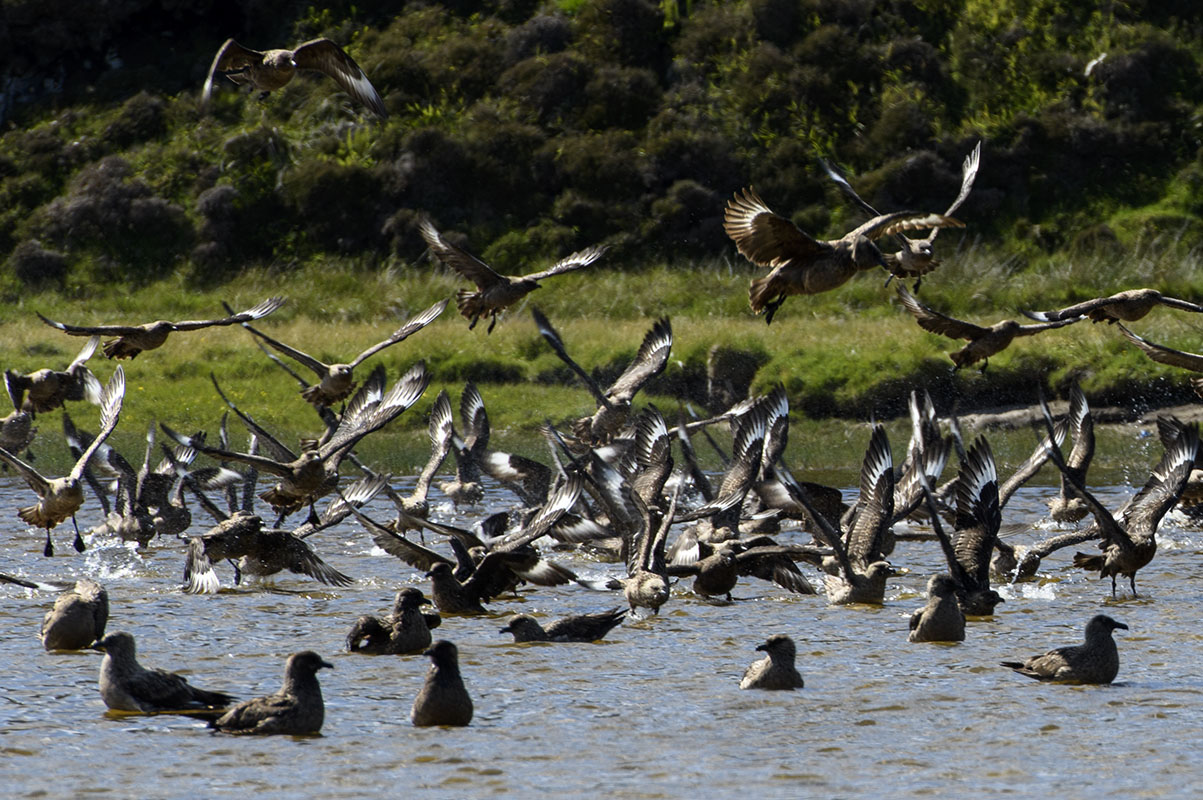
337 207
115 216
37 267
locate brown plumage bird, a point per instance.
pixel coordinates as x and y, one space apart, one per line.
125 685
917 256
1130 542
983 341
776 670
941 620
296 710
575 628
1127 306
495 292
336 381
79 616
47 389
443 700
802 264
1094 661
60 498
133 339
1067 506
273 69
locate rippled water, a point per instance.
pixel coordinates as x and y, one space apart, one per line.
653 711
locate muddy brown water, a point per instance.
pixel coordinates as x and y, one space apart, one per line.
652 711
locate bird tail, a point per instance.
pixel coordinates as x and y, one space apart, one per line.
760 294
1091 563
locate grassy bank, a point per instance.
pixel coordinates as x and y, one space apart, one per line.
849 355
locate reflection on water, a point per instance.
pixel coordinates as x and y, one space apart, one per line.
653 711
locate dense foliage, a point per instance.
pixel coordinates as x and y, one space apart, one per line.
529 129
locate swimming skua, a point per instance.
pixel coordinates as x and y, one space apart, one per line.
776 670
443 699
1094 661
296 710
125 685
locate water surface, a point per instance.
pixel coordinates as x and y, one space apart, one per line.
652 711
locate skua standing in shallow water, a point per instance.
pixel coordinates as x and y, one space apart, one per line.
273 69
575 628
1094 661
941 620
406 631
60 498
79 616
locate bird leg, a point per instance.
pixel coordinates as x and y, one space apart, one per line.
237 571
771 309
492 323
313 519
1132 582
475 319
1113 586
78 544
48 550
280 519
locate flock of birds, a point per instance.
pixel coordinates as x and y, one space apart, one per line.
616 482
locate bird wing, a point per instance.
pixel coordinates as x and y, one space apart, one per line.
231 56
319 367
1033 464
110 409
578 260
405 392
1165 355
877 499
968 176
411 326
552 337
847 189
302 560
764 238
936 322
34 478
278 449
1161 491
397 545
92 330
325 56
467 265
887 224
649 362
255 312
260 462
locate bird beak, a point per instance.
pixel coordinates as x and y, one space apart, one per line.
506 629
1121 625
327 665
97 645
762 647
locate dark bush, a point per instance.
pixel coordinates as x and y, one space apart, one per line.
620 97
109 213
776 21
335 207
607 166
627 32
687 223
37 267
549 87
538 36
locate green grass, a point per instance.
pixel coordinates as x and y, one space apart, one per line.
852 354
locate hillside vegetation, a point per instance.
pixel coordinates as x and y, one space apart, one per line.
528 129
